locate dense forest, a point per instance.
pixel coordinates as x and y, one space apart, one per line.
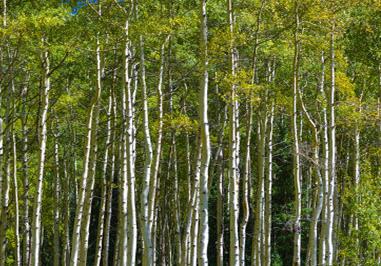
183 132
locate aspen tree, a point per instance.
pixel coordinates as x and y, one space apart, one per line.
66 209
4 186
25 161
146 232
268 189
332 155
104 198
57 191
312 244
108 214
205 142
319 201
36 225
234 189
89 146
196 210
157 155
258 232
325 158
220 189
13 152
85 227
132 220
296 153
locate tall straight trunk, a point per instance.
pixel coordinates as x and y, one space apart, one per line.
13 151
89 146
104 189
245 182
132 221
205 141
108 214
312 253
357 167
233 149
247 169
188 239
196 209
268 191
258 219
25 162
325 177
85 227
146 232
157 155
5 197
4 204
66 218
36 225
332 157
219 160
296 153
57 194
220 211
177 205
123 182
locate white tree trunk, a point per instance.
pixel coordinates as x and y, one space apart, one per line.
296 153
268 191
312 258
36 225
57 192
102 207
332 159
147 255
205 142
79 214
156 159
233 151
196 215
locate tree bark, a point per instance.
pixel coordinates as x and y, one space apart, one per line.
36 225
296 153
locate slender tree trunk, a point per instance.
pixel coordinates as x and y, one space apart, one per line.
325 157
332 158
233 149
245 182
156 159
36 225
107 226
25 162
85 227
196 193
132 221
205 142
147 255
312 252
57 192
220 211
296 153
123 234
66 219
102 207
268 190
81 199
258 233
18 259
